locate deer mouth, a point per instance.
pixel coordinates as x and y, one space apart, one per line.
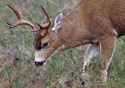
40 63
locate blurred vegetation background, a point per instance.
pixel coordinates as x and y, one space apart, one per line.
17 69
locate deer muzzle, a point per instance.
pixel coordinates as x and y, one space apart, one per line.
40 63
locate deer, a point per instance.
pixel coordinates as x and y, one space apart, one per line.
97 23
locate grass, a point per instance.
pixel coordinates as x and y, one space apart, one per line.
65 66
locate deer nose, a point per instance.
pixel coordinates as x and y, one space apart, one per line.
39 63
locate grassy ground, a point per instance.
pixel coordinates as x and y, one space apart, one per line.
62 69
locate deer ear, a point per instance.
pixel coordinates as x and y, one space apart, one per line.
57 22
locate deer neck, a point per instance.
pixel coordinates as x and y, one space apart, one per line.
73 31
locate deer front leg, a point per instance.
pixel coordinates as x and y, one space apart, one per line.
91 51
107 46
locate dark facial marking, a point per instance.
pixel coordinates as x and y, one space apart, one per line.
37 41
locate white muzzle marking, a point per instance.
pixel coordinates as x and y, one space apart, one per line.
38 57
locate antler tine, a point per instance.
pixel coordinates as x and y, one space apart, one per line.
40 26
15 11
48 18
44 31
20 21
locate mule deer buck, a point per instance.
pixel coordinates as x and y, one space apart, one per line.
94 22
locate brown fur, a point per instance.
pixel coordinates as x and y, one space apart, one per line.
93 21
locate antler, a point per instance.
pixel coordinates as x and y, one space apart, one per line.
48 18
44 27
20 21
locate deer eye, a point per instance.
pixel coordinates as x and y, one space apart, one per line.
45 45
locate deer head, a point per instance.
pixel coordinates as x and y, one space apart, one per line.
93 22
46 41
